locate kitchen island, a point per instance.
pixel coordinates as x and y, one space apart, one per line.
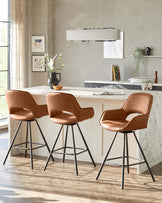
97 138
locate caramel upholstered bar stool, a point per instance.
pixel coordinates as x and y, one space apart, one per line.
65 110
22 107
116 120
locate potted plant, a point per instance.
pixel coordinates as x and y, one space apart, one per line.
138 53
54 65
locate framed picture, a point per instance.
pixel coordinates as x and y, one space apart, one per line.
114 49
38 44
38 64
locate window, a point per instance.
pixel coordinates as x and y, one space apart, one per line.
4 55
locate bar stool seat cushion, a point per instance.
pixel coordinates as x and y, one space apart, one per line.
70 118
116 125
64 118
22 115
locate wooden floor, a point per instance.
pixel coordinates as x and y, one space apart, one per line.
18 183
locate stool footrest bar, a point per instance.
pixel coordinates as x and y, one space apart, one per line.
120 157
56 151
16 146
71 153
136 163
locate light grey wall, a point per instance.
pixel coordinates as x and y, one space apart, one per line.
40 22
140 20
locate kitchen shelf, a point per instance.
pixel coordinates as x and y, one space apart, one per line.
152 56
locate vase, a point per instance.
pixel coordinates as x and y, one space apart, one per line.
54 79
147 51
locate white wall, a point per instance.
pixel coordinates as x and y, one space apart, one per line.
140 20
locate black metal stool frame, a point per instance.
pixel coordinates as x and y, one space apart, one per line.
26 143
74 147
125 151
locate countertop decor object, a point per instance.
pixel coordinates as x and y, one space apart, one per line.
54 79
147 85
54 65
156 76
57 87
138 79
115 73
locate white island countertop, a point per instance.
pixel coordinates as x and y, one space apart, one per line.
98 93
94 93
78 91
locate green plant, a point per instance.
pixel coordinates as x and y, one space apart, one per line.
54 64
138 53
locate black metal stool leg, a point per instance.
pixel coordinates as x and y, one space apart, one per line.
65 143
26 145
106 156
31 149
53 148
127 152
12 142
86 145
144 156
122 186
75 158
44 138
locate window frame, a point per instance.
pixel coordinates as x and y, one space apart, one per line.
8 50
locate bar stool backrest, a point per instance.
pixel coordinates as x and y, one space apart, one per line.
18 100
138 103
59 102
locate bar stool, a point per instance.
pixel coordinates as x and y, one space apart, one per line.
64 109
22 107
116 120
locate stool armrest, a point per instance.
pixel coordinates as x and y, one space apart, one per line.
138 122
115 114
87 112
42 110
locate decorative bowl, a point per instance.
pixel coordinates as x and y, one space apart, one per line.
138 79
57 87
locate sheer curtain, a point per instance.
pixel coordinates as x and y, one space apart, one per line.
18 44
